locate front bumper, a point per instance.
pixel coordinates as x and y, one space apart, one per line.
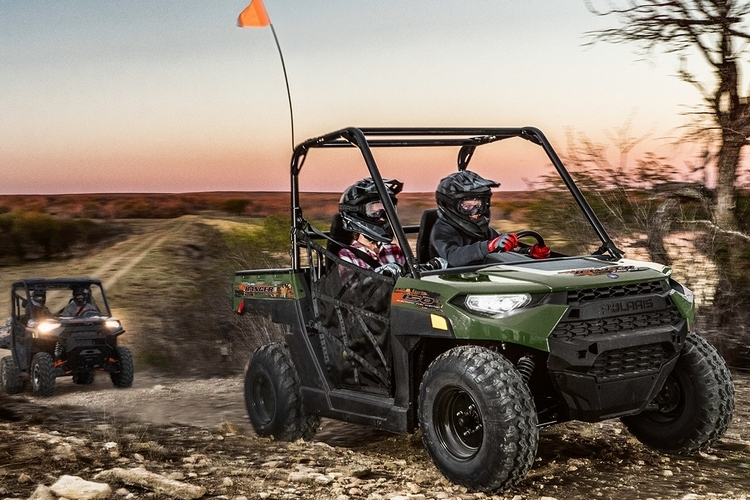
621 381
609 361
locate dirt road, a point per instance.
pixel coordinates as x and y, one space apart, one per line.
575 460
206 403
181 421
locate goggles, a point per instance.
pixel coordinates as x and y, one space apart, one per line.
473 206
375 210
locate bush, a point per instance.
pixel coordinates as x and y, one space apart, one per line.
35 235
235 205
264 246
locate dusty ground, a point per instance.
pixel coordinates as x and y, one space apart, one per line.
197 431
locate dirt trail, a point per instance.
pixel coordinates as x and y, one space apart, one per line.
109 265
207 403
575 460
129 253
159 399
130 257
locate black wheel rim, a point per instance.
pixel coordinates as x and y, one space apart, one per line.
458 422
670 402
263 398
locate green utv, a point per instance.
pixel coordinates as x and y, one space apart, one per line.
477 358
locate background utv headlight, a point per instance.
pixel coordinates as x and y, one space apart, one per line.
498 306
112 324
47 326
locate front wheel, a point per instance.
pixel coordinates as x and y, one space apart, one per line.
12 380
273 397
694 408
42 375
123 377
478 419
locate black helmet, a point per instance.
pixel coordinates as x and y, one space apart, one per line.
455 195
80 293
38 297
362 210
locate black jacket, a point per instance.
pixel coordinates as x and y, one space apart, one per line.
458 249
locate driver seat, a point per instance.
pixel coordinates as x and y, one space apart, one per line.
429 217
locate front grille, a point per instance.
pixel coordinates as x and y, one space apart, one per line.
85 340
612 292
603 326
93 328
618 362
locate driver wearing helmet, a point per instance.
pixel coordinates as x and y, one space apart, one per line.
462 234
363 214
79 305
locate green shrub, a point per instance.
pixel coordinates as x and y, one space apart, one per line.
264 246
235 205
35 235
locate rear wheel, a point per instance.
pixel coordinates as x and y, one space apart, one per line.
123 377
273 398
478 419
84 378
694 408
42 375
12 380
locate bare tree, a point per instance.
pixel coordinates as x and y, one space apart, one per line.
716 30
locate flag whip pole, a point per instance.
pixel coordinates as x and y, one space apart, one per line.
256 16
286 81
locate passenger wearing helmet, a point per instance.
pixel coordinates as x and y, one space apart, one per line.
79 305
363 214
37 304
462 234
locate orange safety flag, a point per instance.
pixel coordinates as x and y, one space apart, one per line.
254 15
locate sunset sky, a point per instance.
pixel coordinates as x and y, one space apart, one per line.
171 96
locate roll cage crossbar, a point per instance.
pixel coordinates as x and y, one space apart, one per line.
28 285
466 139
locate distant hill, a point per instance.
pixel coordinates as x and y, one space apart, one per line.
169 205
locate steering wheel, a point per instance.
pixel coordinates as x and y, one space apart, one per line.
507 257
531 234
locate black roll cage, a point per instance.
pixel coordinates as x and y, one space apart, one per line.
28 285
467 139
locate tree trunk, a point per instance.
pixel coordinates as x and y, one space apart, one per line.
724 207
658 228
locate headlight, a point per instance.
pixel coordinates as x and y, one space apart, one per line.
47 326
679 287
498 306
112 324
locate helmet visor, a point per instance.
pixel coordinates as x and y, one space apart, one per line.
375 210
473 206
